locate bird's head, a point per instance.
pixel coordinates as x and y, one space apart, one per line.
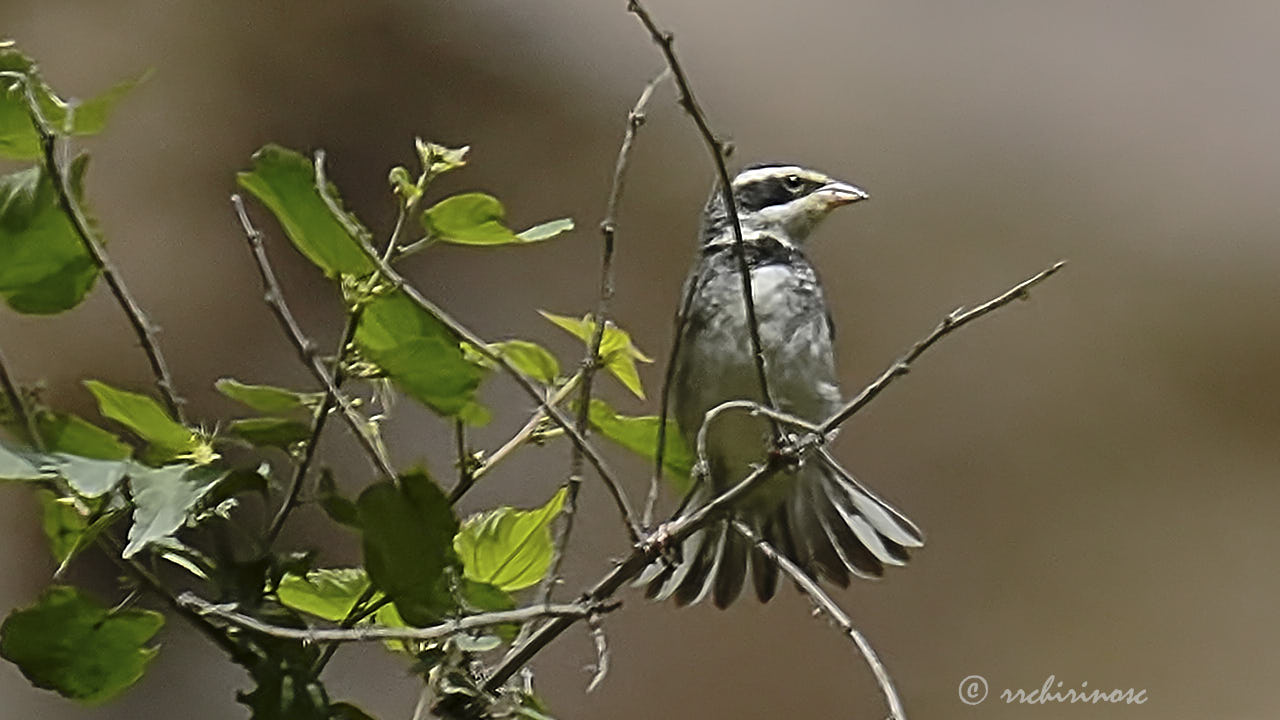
785 202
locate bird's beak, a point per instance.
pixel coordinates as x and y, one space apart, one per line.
835 194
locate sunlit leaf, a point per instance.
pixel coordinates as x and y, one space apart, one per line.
640 436
62 523
18 138
617 353
268 399
44 267
418 353
507 548
407 533
145 417
529 358
285 182
69 643
480 219
330 593
163 499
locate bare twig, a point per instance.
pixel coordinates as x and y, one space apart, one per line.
655 481
751 407
274 297
825 604
13 397
601 642
142 327
957 319
228 614
666 42
591 361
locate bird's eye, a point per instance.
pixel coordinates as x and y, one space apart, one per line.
793 183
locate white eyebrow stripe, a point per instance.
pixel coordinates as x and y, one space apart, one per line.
758 174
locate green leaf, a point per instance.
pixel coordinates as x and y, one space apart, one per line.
529 358
89 477
163 499
618 354
15 465
268 399
73 435
418 353
71 644
63 525
337 507
18 138
407 533
438 159
44 267
478 219
270 432
145 417
640 436
546 230
330 594
507 548
285 182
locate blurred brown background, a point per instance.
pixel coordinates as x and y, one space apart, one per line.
1095 468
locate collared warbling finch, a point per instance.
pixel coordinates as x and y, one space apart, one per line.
828 524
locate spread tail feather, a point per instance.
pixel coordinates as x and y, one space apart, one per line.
831 526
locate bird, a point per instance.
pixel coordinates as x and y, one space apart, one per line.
824 520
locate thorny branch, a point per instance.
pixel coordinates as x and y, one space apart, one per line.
666 42
671 533
825 604
591 362
274 297
142 327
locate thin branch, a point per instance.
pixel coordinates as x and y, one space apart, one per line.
655 481
142 327
530 388
517 440
752 407
274 297
13 397
591 361
227 614
956 320
825 604
666 42
318 422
